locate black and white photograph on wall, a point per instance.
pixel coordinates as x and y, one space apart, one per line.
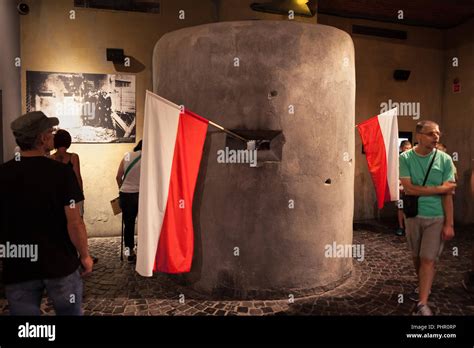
93 108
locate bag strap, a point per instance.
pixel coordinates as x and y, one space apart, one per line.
131 166
429 168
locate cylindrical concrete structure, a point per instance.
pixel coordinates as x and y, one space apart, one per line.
266 231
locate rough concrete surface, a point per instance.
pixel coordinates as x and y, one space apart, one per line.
249 76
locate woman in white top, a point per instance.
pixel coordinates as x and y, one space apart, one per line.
128 180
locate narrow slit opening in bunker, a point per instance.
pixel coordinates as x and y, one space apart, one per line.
267 143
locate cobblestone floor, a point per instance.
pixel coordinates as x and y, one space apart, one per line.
373 289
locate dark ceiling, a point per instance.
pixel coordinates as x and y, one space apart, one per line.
441 14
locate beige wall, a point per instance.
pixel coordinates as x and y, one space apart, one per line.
51 41
458 113
376 59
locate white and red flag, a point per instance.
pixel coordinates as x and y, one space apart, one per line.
379 136
173 141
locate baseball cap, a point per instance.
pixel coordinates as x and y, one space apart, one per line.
31 124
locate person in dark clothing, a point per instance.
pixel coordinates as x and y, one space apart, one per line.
128 180
108 112
62 142
39 216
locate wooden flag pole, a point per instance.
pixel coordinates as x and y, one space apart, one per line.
228 132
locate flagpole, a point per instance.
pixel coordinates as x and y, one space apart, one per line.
228 131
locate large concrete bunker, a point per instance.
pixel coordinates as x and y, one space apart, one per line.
267 231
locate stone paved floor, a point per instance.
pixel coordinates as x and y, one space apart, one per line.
373 289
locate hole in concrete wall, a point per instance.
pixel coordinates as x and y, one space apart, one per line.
1 128
269 143
328 182
272 94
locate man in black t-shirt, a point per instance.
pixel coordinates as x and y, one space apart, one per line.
43 239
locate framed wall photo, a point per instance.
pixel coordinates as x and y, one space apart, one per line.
93 108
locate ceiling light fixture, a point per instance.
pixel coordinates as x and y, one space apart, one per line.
302 8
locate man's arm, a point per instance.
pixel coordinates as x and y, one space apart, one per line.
448 228
415 190
78 235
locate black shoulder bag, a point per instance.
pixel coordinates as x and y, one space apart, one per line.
410 203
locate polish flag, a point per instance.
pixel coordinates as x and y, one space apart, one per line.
379 136
172 149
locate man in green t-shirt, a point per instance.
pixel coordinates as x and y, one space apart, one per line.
434 223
